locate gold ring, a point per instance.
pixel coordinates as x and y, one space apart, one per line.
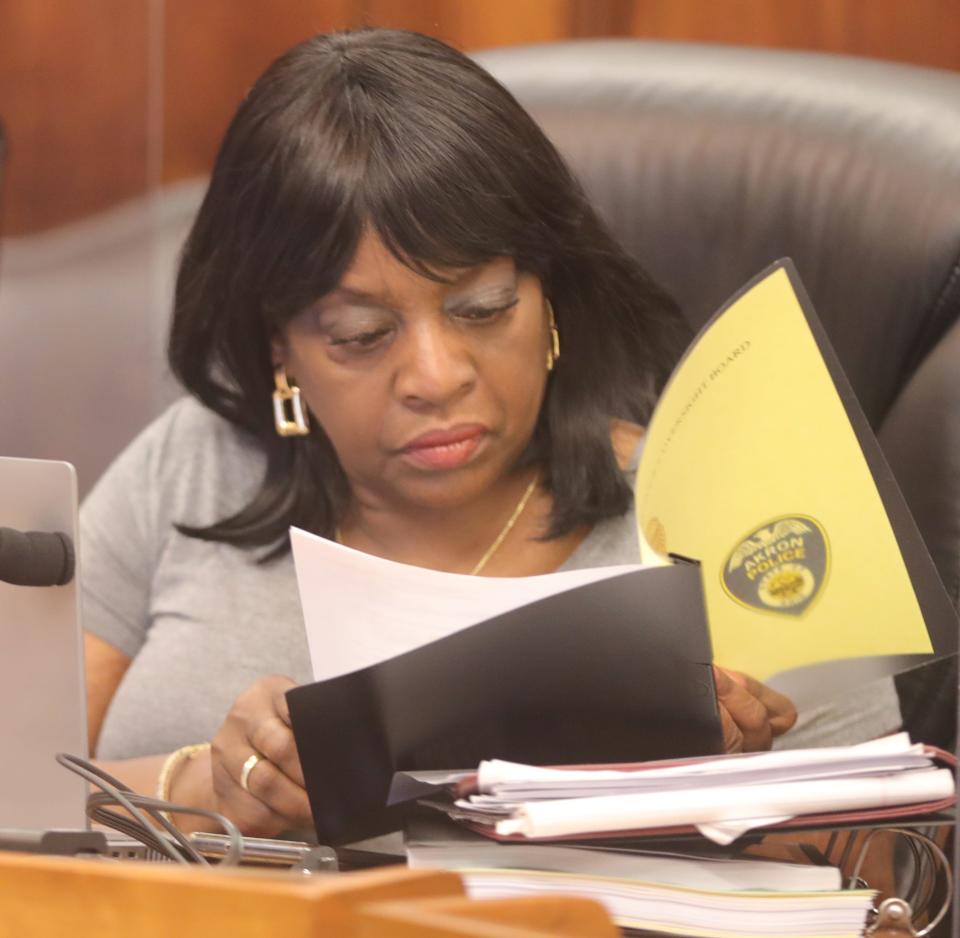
248 767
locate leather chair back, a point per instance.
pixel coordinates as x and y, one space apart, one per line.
709 162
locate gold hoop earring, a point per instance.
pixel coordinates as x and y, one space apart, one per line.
292 422
553 352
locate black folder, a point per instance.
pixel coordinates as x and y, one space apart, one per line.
616 670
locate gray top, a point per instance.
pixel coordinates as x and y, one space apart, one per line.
202 620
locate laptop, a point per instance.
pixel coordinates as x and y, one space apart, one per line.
42 695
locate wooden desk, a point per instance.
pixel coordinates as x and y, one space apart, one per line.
53 897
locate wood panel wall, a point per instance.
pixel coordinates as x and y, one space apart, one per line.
102 98
74 102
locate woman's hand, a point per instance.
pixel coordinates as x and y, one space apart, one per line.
751 714
274 799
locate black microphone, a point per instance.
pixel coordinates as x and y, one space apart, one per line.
30 558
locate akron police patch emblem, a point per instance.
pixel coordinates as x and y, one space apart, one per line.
780 567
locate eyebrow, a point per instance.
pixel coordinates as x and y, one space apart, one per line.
366 298
356 295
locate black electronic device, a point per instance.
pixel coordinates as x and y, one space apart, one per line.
42 698
67 842
35 558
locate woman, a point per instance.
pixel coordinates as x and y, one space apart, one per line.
407 330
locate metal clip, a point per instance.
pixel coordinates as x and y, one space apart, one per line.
895 917
893 920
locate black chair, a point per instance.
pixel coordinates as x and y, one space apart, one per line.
709 162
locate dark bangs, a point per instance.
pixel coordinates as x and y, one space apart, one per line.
399 132
452 181
435 174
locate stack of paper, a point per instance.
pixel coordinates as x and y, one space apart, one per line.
718 873
702 895
652 906
689 894
722 797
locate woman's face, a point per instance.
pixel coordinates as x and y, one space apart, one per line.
428 391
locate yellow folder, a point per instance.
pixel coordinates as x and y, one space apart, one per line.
756 465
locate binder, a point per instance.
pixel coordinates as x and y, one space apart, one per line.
924 902
441 795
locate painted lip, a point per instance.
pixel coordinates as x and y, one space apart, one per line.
445 449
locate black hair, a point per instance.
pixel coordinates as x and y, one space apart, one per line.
398 131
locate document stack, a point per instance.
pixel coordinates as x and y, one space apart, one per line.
652 842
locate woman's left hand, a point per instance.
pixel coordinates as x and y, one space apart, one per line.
751 714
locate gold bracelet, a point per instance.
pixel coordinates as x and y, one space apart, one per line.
172 763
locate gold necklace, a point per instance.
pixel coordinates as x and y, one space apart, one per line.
507 528
500 538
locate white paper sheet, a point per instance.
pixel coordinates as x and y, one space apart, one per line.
725 812
514 781
360 610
